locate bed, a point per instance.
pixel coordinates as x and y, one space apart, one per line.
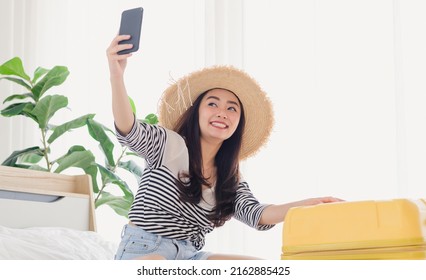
48 216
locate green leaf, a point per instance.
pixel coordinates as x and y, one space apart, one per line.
92 170
132 104
107 129
97 131
108 177
54 77
151 119
76 123
18 81
47 107
132 167
14 67
33 157
121 205
18 96
78 156
32 167
24 109
23 166
17 109
75 148
28 112
13 158
80 159
38 73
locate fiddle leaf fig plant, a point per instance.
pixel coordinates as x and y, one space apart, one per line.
35 104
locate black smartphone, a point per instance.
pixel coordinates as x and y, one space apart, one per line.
131 24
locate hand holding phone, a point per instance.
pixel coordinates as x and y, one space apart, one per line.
131 24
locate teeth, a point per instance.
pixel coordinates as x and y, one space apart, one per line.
221 125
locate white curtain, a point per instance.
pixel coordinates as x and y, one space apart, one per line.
346 78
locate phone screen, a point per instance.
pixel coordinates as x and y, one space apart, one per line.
131 24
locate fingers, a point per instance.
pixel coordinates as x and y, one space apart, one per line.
329 199
120 38
115 47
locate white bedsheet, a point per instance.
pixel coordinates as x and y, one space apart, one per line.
53 243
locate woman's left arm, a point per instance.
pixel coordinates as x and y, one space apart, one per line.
274 214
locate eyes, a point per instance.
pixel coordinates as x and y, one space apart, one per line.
230 108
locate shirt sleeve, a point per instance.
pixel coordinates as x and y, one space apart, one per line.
248 209
147 140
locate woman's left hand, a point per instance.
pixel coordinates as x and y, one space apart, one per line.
274 214
317 200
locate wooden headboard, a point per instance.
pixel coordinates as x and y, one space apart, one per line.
30 198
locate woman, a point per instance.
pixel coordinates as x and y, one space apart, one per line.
209 121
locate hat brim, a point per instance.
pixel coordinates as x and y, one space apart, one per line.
258 112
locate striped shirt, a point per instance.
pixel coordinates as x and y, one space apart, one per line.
157 207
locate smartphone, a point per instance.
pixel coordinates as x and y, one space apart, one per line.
131 24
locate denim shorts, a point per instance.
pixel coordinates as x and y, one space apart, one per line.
136 242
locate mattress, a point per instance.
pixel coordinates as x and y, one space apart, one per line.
386 229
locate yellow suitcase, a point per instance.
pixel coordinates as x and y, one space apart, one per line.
387 229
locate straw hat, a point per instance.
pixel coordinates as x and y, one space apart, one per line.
179 96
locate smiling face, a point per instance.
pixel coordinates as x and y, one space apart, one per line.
219 115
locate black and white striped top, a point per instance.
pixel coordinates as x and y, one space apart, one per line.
157 207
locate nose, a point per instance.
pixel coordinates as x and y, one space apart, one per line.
222 114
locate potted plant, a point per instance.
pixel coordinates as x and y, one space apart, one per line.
40 107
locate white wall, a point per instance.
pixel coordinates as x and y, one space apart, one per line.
346 79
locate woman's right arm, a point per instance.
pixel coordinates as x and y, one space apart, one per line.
121 109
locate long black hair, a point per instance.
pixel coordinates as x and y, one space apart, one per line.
226 162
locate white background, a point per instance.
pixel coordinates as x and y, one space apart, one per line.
347 81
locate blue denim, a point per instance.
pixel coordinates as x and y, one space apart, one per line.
136 242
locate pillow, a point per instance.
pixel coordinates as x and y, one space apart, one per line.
53 243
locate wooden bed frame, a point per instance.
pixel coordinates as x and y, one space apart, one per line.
30 198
